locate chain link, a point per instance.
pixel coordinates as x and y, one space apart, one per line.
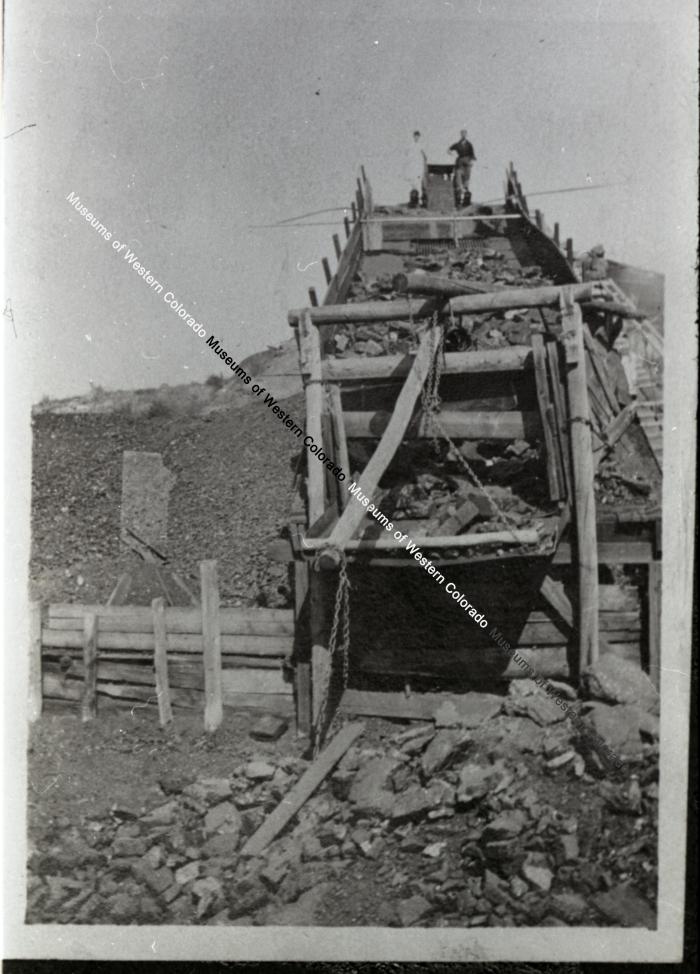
341 619
431 404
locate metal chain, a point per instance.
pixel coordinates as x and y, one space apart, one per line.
341 616
431 403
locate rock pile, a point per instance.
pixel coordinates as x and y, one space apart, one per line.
490 815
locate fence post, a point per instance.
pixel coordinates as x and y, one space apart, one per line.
211 643
160 661
35 687
89 706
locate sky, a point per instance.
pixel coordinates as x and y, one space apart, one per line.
183 125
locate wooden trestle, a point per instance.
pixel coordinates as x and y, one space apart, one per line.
562 364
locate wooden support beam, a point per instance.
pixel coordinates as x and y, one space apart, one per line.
35 683
512 425
583 470
327 270
160 662
302 668
336 246
654 622
311 371
556 234
519 536
514 358
363 311
539 222
353 208
346 224
392 435
120 591
546 414
560 414
178 642
341 443
517 297
313 297
617 429
418 282
211 646
569 250
302 790
89 700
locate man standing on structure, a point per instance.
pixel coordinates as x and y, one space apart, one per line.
463 169
415 170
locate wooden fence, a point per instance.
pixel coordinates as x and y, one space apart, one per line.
203 657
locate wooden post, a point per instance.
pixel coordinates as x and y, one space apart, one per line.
353 207
211 645
302 669
341 443
346 224
336 245
35 684
311 371
546 413
569 250
556 234
538 219
321 662
160 662
583 473
89 703
327 270
559 400
353 515
654 622
313 297
120 590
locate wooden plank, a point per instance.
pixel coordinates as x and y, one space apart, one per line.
160 662
583 470
89 698
34 681
178 621
654 622
391 438
336 246
611 553
341 443
523 536
560 413
302 669
68 610
302 790
121 590
211 649
311 369
184 587
512 359
517 298
543 401
477 425
327 270
419 282
178 642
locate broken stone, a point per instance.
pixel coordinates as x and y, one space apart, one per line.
561 760
539 708
617 725
570 907
443 749
435 850
412 805
475 782
124 847
162 815
214 789
370 792
209 892
258 771
507 825
269 728
624 906
471 710
157 880
146 486
538 876
518 887
613 679
173 784
187 873
412 910
494 890
224 817
568 846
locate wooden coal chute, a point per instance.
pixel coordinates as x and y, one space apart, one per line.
452 378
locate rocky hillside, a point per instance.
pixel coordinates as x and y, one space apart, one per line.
233 460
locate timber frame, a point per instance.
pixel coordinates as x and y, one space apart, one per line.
562 363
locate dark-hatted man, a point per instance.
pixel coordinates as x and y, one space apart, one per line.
463 169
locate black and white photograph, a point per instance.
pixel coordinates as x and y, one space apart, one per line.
350 390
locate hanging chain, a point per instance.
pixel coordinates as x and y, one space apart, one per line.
341 622
431 403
